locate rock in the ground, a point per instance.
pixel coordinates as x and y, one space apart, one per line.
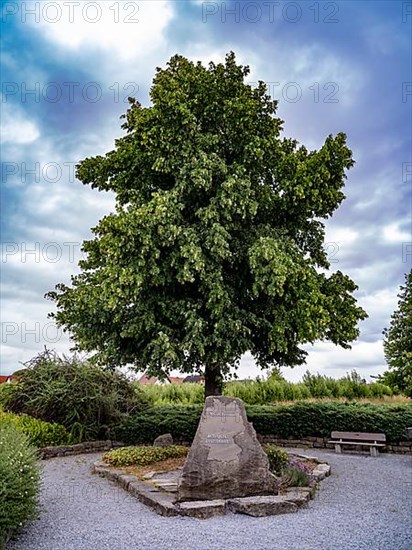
269 505
164 440
225 460
202 509
321 471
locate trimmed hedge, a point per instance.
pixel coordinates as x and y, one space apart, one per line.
319 419
19 481
40 434
143 428
296 421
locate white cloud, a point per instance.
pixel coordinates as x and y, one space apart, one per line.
392 234
123 30
342 236
16 127
365 357
25 330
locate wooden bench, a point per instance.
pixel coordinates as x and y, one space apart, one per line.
373 441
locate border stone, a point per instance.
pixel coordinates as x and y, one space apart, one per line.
260 506
320 472
202 509
78 448
164 503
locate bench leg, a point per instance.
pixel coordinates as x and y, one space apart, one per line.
374 451
338 448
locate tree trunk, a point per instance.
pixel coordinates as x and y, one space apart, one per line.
213 381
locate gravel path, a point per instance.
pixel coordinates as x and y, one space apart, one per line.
365 504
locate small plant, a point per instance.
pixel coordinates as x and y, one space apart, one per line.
278 459
293 472
19 481
294 477
304 466
142 456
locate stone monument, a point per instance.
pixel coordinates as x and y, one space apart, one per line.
225 460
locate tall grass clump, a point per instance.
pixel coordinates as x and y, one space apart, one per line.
174 394
260 392
274 389
19 481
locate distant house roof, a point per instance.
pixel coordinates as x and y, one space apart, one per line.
9 378
176 380
146 380
194 379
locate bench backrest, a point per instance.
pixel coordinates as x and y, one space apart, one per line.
358 436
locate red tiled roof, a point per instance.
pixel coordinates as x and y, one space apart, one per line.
144 379
4 379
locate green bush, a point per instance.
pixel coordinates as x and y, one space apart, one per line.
6 391
40 434
296 421
19 481
86 399
141 456
278 459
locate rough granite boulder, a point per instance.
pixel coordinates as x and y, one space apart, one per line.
164 440
225 460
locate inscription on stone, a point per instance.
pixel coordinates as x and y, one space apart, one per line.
217 439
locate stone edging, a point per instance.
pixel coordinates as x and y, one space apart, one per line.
78 448
163 502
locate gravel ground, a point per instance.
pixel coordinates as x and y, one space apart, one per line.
365 503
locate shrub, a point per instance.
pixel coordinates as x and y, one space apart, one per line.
141 456
86 399
278 459
296 421
40 434
19 481
6 391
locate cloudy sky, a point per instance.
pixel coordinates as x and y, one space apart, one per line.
67 70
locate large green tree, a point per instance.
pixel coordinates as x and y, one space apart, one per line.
217 243
398 342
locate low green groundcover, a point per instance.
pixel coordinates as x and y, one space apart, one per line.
142 456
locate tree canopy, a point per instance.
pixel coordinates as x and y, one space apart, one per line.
216 246
398 342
